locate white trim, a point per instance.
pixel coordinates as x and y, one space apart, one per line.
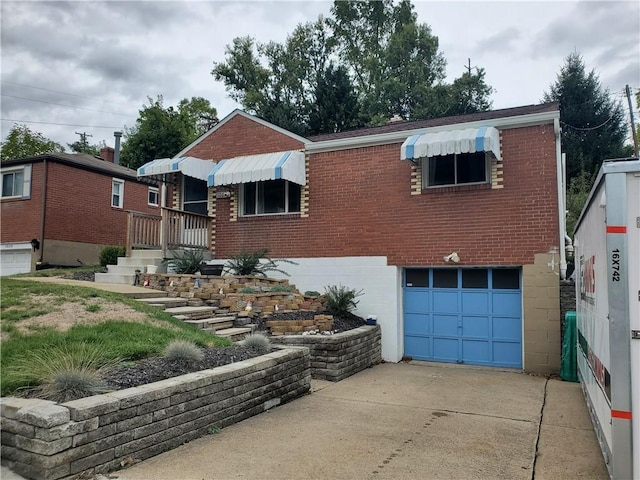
400 136
155 190
234 114
120 182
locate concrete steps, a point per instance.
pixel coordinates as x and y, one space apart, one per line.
212 324
121 278
234 334
165 302
125 270
191 313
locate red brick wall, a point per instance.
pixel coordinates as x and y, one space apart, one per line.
360 205
242 136
21 218
78 207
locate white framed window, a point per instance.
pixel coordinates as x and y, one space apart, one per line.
456 169
153 196
16 182
270 197
117 193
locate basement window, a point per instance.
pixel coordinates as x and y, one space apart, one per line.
270 197
455 169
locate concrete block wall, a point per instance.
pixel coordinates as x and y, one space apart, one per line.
541 315
336 357
45 440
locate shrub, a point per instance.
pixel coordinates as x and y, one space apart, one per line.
187 262
64 373
258 342
281 288
183 352
311 293
255 263
341 300
249 290
109 255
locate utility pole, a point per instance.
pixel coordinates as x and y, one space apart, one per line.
83 140
633 125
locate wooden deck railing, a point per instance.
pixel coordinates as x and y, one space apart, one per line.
172 230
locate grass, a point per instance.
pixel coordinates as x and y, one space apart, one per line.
119 339
61 271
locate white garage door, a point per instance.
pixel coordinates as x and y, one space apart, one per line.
15 258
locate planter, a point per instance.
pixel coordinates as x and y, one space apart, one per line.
372 320
206 269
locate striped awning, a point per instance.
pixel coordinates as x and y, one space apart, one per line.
469 140
189 166
257 168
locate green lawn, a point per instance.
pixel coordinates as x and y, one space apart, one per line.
120 339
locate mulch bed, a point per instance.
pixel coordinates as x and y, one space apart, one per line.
340 323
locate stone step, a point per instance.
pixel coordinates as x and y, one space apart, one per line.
166 302
234 334
138 261
192 313
141 253
115 278
211 324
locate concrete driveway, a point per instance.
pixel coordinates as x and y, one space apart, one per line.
403 421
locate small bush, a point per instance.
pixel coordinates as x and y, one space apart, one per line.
249 290
341 300
93 308
255 263
258 342
281 288
109 255
311 293
67 385
187 262
183 352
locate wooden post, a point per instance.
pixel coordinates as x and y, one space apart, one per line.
128 244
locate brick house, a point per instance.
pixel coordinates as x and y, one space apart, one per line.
450 226
61 208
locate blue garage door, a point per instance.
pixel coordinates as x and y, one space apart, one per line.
463 315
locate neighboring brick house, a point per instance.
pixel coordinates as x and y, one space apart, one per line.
450 226
61 208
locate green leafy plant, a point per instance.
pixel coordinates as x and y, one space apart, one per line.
214 430
187 262
64 373
249 290
281 288
183 352
341 300
311 293
255 263
93 308
109 255
258 342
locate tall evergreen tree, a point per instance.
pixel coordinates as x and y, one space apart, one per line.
593 125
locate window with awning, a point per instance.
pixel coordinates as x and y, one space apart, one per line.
256 168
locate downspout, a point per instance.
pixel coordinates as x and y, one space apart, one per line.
562 215
43 213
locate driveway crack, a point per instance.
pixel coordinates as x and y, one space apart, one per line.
535 457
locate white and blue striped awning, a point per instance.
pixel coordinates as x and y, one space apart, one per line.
189 166
257 168
469 140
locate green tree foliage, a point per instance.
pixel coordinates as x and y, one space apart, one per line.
84 147
593 126
23 142
163 131
577 193
369 61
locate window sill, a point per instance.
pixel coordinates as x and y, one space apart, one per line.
456 188
270 215
14 198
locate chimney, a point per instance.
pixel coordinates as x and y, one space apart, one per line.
116 158
106 154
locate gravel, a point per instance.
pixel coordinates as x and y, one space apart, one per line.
340 323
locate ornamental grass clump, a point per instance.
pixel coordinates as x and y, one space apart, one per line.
64 373
341 300
255 263
258 342
183 352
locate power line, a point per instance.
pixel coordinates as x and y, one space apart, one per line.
70 94
590 128
53 123
63 105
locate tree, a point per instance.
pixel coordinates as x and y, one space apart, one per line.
162 132
593 126
81 146
373 52
23 142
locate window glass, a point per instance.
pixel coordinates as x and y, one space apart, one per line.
153 196
195 190
442 170
506 278
417 277
271 196
445 278
12 184
117 187
475 278
294 197
471 167
249 200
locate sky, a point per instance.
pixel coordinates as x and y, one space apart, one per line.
89 67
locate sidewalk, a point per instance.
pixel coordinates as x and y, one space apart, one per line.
127 290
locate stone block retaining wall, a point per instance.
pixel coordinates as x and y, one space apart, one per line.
45 440
336 357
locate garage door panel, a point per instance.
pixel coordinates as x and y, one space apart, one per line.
507 303
417 301
507 354
418 347
445 325
417 324
476 351
15 261
476 326
507 328
475 302
445 349
445 301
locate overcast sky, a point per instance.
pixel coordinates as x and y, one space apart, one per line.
106 58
